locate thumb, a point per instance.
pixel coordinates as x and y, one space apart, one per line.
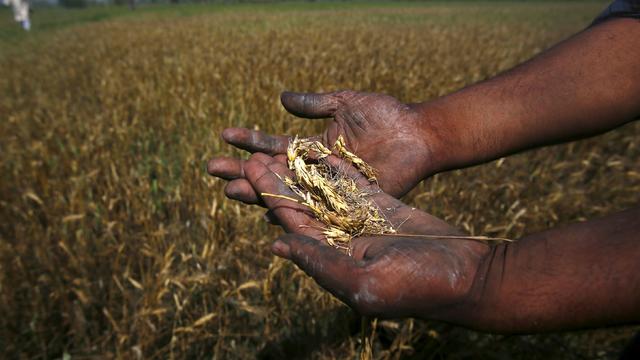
309 105
335 271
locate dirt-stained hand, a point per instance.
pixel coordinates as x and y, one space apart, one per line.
387 276
391 136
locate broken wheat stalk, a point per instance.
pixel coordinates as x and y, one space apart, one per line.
335 199
461 237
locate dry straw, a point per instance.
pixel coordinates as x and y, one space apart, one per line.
336 200
111 121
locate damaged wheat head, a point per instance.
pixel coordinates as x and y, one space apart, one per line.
335 199
345 209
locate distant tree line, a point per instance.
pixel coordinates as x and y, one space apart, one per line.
132 3
83 3
73 3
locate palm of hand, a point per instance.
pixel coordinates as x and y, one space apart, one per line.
384 132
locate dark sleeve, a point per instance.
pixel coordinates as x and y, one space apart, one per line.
619 9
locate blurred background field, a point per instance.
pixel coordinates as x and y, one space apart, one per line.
115 243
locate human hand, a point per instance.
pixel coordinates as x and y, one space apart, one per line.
389 135
387 276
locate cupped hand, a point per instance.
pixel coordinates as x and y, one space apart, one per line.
386 276
391 136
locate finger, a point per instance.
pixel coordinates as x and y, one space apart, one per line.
256 141
226 168
231 168
367 248
281 158
262 158
333 270
294 217
277 165
268 160
263 180
309 105
271 218
241 190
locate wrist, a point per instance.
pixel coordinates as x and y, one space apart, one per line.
438 137
469 308
461 301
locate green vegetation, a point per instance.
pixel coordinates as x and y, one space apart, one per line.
114 241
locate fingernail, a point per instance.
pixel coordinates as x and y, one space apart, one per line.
212 167
281 249
227 134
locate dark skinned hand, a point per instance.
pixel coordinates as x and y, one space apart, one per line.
387 276
389 135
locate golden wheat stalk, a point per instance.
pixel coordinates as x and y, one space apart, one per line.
335 199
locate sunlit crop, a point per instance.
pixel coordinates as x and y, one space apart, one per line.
114 241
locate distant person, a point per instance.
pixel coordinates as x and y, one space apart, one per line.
576 276
20 12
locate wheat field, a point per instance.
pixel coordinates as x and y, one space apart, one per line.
114 242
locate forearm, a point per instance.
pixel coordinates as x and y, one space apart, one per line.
583 86
579 276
